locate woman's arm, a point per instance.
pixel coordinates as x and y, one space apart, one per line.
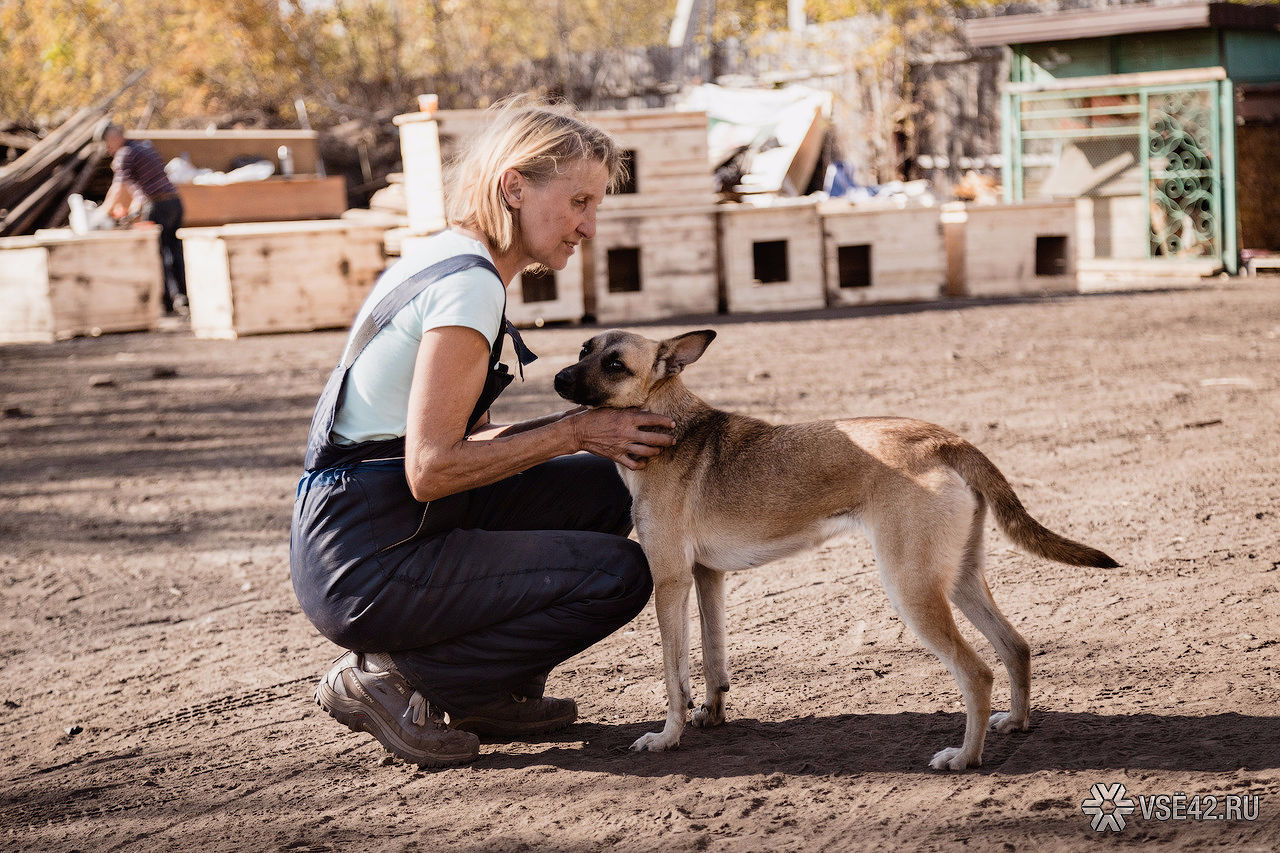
440 460
485 429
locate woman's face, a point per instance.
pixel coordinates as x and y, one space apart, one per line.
556 216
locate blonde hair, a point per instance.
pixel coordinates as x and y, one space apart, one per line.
538 140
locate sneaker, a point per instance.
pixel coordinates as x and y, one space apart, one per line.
371 696
513 715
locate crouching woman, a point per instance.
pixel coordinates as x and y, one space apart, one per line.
458 560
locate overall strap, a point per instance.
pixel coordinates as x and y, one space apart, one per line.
403 294
320 450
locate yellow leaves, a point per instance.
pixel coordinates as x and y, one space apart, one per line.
213 57
58 55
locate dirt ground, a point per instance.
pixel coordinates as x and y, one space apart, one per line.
158 674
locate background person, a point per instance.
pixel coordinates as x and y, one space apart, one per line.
139 173
458 559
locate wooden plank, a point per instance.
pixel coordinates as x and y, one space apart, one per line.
208 283
1109 274
701 186
424 176
26 314
275 199
1122 81
621 121
657 201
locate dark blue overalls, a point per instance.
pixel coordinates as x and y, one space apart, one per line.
474 595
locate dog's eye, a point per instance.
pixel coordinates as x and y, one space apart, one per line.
615 365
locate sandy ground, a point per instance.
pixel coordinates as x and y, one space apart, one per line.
158 675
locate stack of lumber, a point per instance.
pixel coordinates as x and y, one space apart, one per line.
34 187
15 140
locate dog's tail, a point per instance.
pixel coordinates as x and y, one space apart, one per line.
985 478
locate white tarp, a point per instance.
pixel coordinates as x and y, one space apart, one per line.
781 129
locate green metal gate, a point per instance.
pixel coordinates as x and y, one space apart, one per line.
1148 158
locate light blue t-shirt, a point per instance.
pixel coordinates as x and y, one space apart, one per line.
376 403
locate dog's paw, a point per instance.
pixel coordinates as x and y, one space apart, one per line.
655 742
952 758
1004 722
706 716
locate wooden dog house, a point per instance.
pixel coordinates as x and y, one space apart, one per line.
654 251
1010 249
882 254
772 257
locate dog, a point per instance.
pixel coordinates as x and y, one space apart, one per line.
736 492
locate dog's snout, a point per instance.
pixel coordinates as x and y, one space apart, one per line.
563 383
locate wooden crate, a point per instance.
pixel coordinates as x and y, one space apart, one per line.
216 149
772 257
882 254
306 195
255 278
653 264
56 285
1010 249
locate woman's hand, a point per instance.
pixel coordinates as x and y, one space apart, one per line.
630 437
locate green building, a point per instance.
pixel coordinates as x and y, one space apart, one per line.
1164 121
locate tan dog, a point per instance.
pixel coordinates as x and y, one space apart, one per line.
735 492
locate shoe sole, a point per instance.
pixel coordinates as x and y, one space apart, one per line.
352 715
488 727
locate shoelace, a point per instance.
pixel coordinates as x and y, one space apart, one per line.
418 709
419 712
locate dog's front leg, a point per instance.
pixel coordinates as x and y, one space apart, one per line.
715 665
671 596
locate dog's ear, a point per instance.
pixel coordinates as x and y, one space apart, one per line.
674 354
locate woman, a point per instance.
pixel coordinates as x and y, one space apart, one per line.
461 560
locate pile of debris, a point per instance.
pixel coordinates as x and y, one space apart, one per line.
34 187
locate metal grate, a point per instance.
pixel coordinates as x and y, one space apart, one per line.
1183 176
1142 157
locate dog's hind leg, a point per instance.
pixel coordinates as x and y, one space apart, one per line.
916 572
672 579
972 595
715 665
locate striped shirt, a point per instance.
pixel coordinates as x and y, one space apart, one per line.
139 166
